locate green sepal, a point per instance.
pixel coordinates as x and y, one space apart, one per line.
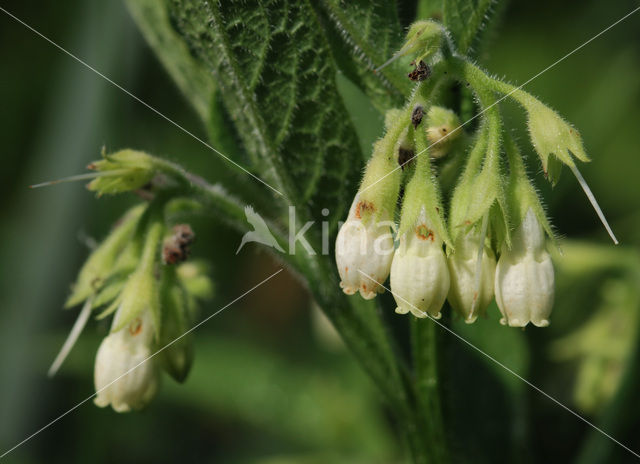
141 290
108 292
424 39
556 142
423 191
381 181
193 276
521 194
480 186
100 263
464 190
177 357
121 171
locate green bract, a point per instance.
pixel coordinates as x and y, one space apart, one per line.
99 266
552 137
122 171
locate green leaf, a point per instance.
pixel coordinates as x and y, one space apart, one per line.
467 20
152 17
363 36
277 80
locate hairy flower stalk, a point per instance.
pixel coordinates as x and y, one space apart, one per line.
555 141
419 273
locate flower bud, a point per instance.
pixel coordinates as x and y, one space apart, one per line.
424 38
101 262
463 295
364 249
442 129
419 274
122 171
524 282
554 140
126 377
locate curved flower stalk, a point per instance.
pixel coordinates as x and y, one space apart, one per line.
419 274
524 283
555 141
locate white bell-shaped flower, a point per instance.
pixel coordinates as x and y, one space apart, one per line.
471 291
126 376
364 250
419 274
524 283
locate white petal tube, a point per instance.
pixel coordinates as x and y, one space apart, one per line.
125 376
419 274
364 253
463 267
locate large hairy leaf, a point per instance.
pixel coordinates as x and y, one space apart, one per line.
468 20
364 35
191 77
277 80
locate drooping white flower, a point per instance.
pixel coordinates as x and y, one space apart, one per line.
364 250
419 274
126 376
468 295
524 282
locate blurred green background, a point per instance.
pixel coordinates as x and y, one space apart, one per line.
271 383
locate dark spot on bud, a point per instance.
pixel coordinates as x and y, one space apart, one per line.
364 206
424 233
421 72
416 116
135 327
405 156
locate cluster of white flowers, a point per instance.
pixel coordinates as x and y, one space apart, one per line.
422 277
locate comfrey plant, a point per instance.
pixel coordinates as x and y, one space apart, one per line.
444 215
491 212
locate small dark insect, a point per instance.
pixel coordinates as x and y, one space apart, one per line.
416 116
421 72
176 247
405 156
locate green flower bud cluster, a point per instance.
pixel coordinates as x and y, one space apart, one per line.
153 302
492 243
121 171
